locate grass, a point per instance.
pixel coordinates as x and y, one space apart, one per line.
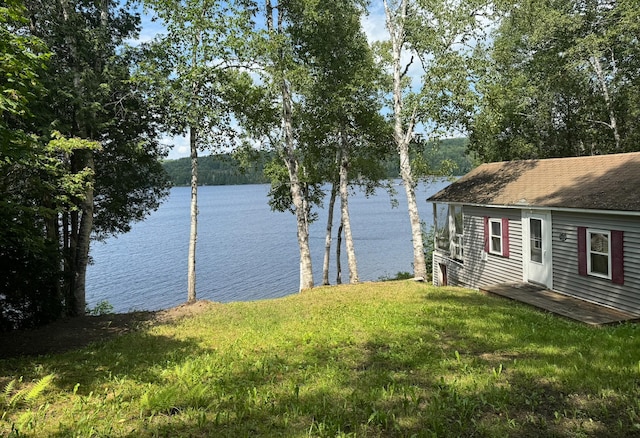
395 359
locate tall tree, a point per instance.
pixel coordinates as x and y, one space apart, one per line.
187 71
91 98
302 50
341 126
443 36
563 80
29 258
269 115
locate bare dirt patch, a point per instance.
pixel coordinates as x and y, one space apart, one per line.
72 333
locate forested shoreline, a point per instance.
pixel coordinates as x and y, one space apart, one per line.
227 169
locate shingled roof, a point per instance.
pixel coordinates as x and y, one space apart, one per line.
599 182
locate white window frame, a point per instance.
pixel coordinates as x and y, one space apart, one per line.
491 236
589 232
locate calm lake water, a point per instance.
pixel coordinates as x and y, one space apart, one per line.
245 251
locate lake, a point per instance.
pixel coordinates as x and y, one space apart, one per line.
245 251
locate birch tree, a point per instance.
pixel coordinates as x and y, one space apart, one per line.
341 130
306 47
188 71
440 38
279 76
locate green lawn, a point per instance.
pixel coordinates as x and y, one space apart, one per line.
378 359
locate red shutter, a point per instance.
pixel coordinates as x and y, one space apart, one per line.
486 234
582 251
505 237
617 257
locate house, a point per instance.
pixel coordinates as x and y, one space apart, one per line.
571 225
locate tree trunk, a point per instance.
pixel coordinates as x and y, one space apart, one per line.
291 162
70 272
402 135
419 261
344 212
338 254
306 271
52 227
613 122
193 235
327 239
83 244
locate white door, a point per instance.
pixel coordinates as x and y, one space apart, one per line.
536 245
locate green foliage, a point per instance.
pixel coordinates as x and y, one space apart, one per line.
77 146
22 57
191 71
390 359
561 80
16 393
103 307
436 158
29 260
340 121
428 237
402 275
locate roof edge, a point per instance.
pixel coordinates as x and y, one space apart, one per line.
534 207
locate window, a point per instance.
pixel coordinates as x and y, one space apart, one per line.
495 236
456 224
535 242
441 222
601 254
449 230
598 251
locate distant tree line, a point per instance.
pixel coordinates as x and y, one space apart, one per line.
218 170
228 169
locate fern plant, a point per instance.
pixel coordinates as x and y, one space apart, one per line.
12 396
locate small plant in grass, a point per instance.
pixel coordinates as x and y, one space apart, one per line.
18 397
401 275
16 392
103 307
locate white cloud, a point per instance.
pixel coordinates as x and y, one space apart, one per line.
373 25
179 146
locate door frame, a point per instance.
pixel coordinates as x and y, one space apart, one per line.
547 256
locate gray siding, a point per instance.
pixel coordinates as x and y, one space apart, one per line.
476 272
602 291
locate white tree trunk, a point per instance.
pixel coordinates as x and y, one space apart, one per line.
193 235
402 135
419 261
613 122
291 162
306 269
344 213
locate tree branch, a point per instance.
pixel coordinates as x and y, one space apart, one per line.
406 69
